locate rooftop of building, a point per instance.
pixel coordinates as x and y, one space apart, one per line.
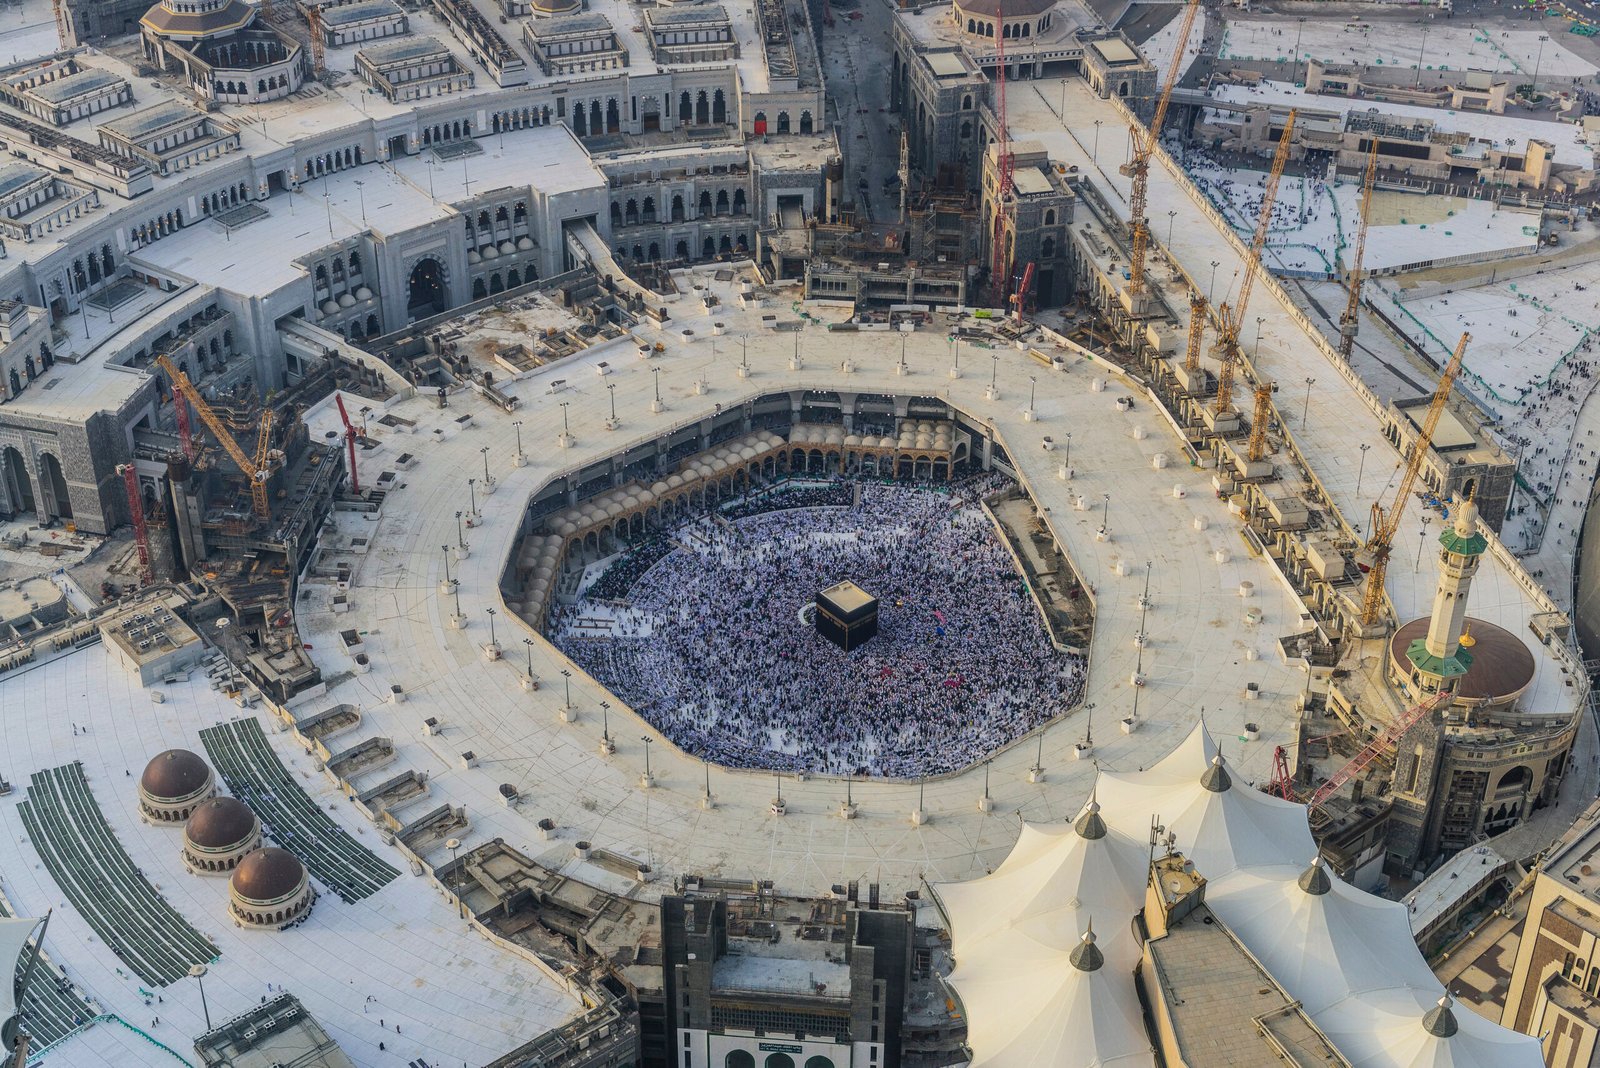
148 630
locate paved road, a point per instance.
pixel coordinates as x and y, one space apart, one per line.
856 62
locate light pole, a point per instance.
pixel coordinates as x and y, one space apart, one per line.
1294 68
1095 154
1425 521
517 425
657 372
605 722
1420 50
566 677
1105 513
1067 463
994 379
1033 388
1361 469
486 477
491 612
1533 87
1259 320
1211 287
1305 412
611 388
1172 217
472 488
461 537
446 550
529 643
647 740
197 972
455 590
566 430
454 845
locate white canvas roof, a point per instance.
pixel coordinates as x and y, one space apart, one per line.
14 935
1345 955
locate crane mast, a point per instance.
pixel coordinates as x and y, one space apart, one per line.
1231 317
1385 523
1350 321
1257 447
1197 332
1004 167
1144 143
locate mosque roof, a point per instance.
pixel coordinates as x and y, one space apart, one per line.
220 823
1045 948
268 874
175 775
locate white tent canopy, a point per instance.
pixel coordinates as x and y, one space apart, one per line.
14 935
1346 956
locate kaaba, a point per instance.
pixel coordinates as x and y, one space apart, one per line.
847 615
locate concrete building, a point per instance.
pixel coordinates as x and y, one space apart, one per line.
753 977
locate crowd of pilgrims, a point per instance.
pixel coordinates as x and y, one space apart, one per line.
713 641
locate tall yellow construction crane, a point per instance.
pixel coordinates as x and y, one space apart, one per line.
1144 142
1385 523
1230 318
1350 321
256 469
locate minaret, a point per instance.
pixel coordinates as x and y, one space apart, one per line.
1440 655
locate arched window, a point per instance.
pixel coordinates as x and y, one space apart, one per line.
779 1060
740 1059
1027 30
966 101
1050 217
819 1062
1047 248
966 129
972 27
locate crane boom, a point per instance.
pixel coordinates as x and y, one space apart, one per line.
256 473
1350 321
1231 315
349 441
1385 523
141 529
1144 142
1382 742
1258 423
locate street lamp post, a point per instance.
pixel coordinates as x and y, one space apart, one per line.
1420 50
1305 412
529 643
1533 87
461 537
517 425
605 724
487 478
1425 521
994 378
1033 389
1172 217
454 845
611 388
491 612
1259 320
197 972
648 780
1067 462
1361 468
1095 154
656 371
1105 514
566 428
1211 287
446 550
472 488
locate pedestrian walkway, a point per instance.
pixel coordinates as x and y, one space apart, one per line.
289 817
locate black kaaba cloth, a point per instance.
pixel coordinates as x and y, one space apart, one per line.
847 615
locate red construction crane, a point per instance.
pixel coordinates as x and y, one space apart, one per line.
1144 142
349 441
1381 743
141 532
1020 297
1005 165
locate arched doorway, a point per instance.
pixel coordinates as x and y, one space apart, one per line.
426 293
14 473
53 487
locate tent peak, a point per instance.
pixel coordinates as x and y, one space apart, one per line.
1441 1019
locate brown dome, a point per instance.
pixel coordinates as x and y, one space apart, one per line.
1014 9
175 775
1502 666
220 823
268 874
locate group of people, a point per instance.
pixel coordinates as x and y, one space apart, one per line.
715 644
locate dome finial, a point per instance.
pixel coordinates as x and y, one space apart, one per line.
1090 825
1314 880
1440 1022
1216 777
1086 956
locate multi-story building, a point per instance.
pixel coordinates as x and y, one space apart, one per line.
750 974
